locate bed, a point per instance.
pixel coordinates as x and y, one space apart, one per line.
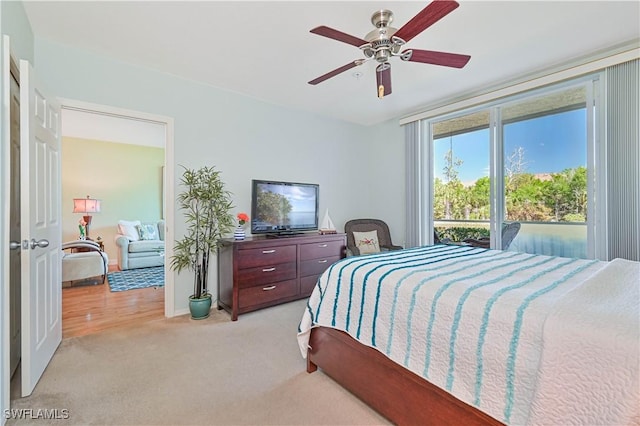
449 334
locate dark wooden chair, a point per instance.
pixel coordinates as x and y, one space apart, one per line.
509 232
366 225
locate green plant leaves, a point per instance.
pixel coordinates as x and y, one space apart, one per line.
206 206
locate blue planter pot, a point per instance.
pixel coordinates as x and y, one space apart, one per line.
200 308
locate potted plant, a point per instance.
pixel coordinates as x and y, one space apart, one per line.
206 205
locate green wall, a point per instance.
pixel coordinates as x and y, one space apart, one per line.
126 178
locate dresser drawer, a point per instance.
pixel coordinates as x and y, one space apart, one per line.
307 284
267 293
265 256
266 274
321 249
316 266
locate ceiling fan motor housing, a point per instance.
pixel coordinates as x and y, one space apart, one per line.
381 44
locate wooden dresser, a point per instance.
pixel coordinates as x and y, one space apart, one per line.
259 272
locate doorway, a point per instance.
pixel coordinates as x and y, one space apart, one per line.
120 133
15 327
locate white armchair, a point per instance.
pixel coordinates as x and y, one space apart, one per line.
83 259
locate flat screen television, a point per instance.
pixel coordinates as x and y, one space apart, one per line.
283 208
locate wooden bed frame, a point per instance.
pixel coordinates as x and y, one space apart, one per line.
395 392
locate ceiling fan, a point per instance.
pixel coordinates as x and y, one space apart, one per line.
385 42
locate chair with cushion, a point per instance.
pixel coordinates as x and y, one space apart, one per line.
83 259
438 240
366 236
509 232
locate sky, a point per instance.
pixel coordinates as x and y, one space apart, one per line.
551 144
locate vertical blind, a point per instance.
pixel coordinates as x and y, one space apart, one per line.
413 179
623 160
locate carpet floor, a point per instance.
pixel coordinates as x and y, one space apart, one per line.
179 371
132 279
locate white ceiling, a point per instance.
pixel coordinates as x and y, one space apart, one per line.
108 128
264 49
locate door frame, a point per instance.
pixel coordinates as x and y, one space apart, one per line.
5 93
167 122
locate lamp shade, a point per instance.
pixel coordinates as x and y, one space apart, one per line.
86 205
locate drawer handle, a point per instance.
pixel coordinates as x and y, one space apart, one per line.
269 269
268 251
322 261
323 245
271 287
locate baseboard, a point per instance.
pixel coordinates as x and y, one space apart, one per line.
179 312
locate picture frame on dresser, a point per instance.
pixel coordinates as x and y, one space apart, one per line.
260 272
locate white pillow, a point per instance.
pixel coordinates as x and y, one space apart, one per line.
129 229
367 242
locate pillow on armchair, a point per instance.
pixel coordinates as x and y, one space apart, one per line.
367 242
129 229
148 231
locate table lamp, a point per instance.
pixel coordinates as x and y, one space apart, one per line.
86 205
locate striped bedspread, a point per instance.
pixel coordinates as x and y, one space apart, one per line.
469 320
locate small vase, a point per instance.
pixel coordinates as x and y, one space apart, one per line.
239 233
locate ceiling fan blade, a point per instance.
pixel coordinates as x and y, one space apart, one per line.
336 72
383 79
338 35
428 16
436 58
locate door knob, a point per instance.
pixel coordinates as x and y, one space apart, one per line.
41 243
14 245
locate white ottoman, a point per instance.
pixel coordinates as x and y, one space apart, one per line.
82 265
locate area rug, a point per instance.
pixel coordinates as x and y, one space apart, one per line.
136 278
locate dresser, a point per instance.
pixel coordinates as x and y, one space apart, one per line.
259 271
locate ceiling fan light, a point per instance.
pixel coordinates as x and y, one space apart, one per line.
381 91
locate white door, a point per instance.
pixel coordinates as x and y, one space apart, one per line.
41 228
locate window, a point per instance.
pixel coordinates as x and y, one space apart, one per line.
461 182
524 159
545 172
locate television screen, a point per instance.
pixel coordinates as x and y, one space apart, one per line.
283 207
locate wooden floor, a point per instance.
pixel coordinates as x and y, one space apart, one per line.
94 308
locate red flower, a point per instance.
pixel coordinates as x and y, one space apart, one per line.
243 218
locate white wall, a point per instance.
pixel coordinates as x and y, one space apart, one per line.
16 24
243 137
387 185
